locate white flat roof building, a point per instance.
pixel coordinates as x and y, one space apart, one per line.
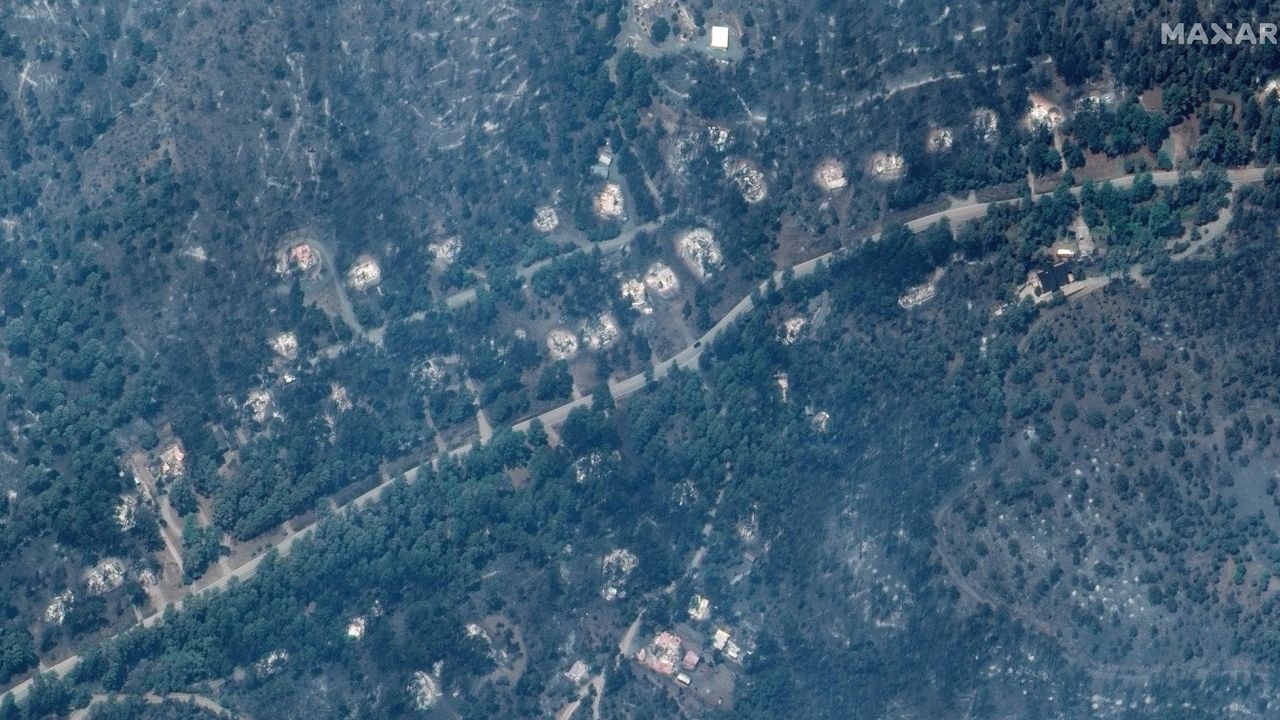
719 37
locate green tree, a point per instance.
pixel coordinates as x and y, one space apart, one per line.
555 382
201 547
17 650
660 31
537 434
183 498
1073 154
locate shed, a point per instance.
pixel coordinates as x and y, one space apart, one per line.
719 37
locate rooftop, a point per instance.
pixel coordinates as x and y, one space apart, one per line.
1056 276
719 37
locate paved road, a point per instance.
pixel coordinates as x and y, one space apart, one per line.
686 358
965 211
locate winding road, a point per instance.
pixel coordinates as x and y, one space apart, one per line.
200 701
686 358
462 297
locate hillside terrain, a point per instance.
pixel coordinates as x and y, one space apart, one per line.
526 359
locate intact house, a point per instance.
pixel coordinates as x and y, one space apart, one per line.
1055 276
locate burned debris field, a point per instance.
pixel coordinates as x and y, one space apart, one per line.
636 359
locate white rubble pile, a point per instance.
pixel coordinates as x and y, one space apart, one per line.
699 250
986 123
1043 114
719 137
357 627
917 295
127 512
617 566
662 280
699 608
259 405
587 468
608 203
577 672
792 328
445 251
104 578
425 690
285 345
562 344
273 662
546 219
829 175
340 397
939 140
364 274
601 332
172 461
633 291
887 166
430 371
748 179
56 613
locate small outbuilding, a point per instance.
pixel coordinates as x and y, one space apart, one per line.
719 37
691 660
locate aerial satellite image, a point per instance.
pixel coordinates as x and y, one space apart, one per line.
639 359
